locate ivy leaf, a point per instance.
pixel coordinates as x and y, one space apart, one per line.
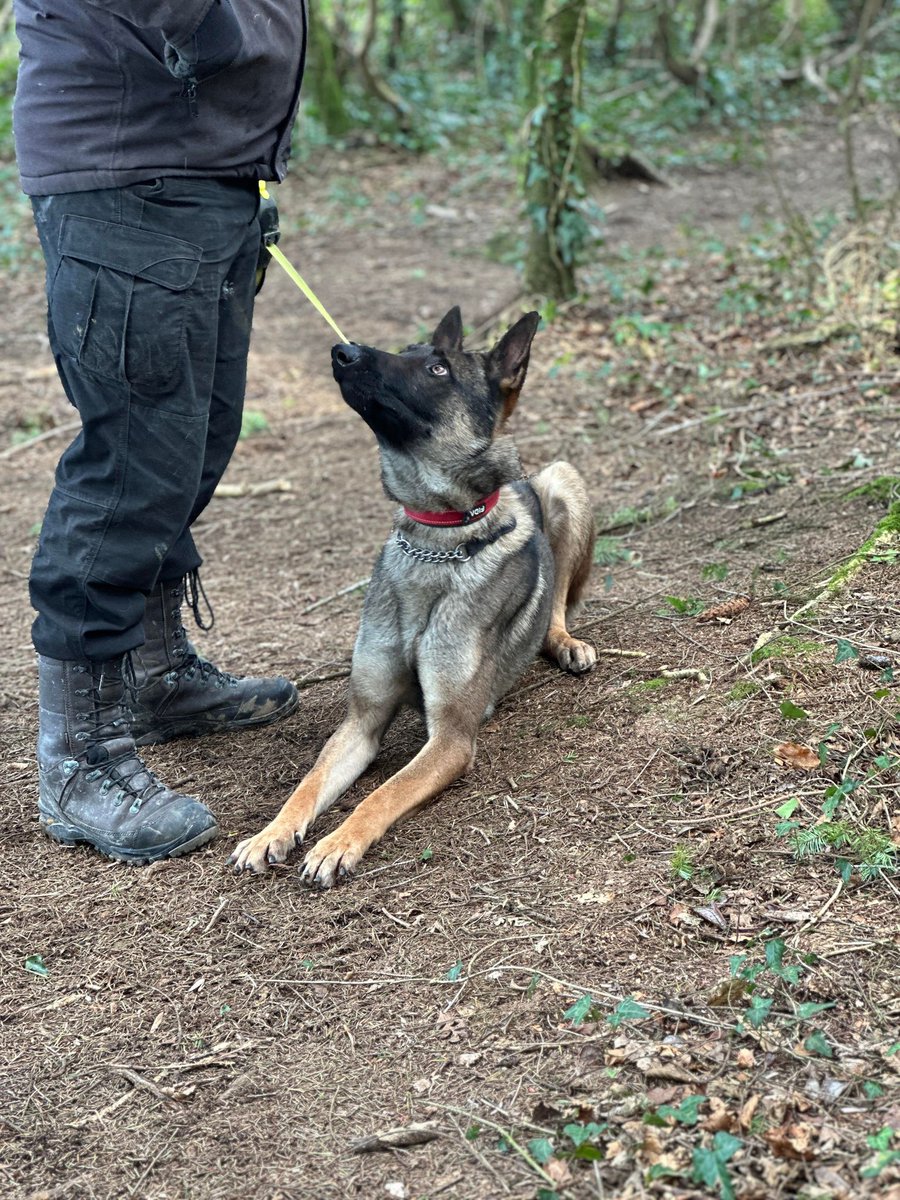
540 1149
687 1112
628 1010
35 964
454 973
806 1011
845 650
579 1010
790 710
578 1134
709 1165
817 1043
758 1011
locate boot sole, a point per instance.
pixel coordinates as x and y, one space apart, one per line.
171 732
69 835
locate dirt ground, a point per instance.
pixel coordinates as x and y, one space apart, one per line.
539 968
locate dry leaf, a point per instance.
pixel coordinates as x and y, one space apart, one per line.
710 912
720 1117
679 915
796 756
747 1111
728 994
746 1057
725 611
792 1140
558 1171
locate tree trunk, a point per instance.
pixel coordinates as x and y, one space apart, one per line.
552 185
324 81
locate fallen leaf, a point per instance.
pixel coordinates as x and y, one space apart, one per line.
746 1057
594 898
558 1171
796 756
654 1069
680 915
710 912
729 993
720 1117
747 1111
792 1141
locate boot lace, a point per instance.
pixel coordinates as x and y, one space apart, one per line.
191 663
109 716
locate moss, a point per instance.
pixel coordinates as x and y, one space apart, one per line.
881 538
882 490
650 685
785 647
743 690
884 538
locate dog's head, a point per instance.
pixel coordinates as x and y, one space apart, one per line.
437 409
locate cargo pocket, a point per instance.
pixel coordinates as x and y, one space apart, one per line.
117 303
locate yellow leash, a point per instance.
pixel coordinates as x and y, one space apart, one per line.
297 278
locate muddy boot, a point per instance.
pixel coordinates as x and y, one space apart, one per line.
93 786
180 694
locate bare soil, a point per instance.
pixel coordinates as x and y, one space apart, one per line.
198 1034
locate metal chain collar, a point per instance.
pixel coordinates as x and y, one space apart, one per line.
431 556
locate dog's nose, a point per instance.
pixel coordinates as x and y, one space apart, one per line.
346 354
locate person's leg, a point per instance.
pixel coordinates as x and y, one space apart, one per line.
180 694
134 276
134 329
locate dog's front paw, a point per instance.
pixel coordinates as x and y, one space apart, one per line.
332 857
572 654
272 845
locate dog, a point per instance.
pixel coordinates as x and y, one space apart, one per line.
478 575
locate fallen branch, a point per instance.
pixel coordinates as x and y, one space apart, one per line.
56 431
236 491
351 587
416 1134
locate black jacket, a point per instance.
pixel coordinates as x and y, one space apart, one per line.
112 92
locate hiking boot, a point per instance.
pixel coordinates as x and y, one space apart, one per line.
180 694
93 786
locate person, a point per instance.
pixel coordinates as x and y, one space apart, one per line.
142 131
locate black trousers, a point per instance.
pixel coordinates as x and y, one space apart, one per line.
150 294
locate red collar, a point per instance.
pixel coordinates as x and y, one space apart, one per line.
452 516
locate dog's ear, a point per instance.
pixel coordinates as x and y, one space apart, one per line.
449 333
508 361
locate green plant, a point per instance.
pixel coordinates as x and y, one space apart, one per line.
854 846
253 422
681 864
684 606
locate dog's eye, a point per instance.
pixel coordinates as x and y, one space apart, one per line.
438 369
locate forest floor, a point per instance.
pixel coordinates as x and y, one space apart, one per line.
596 966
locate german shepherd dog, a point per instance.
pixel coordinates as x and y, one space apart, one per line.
475 579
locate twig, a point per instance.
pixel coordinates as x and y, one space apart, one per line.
236 491
56 431
147 1084
303 684
214 919
816 917
105 1111
416 1134
505 1134
351 587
